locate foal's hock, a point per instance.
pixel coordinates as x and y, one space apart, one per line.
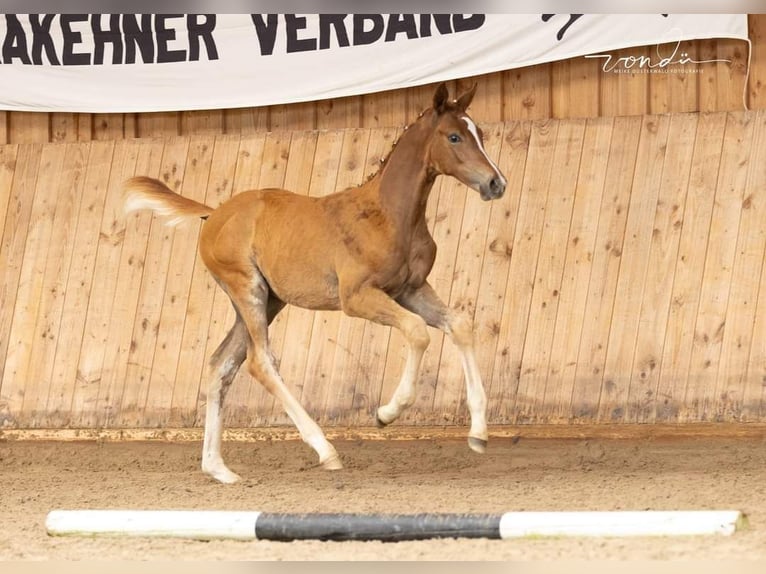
365 251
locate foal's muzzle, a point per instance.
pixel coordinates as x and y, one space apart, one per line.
493 189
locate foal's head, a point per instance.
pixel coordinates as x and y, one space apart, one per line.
457 148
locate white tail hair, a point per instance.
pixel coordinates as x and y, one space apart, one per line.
143 192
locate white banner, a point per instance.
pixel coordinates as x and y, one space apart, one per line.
153 62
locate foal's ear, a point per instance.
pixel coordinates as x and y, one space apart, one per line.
465 100
440 98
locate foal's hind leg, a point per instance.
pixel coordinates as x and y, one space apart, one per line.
425 302
224 364
250 295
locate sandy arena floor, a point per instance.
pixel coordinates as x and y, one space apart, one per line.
386 476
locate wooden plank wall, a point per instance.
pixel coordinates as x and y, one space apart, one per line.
575 88
620 279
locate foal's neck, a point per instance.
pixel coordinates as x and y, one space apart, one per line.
405 180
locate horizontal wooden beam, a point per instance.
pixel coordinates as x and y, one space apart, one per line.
573 431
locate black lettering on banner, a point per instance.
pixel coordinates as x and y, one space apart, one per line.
362 36
461 23
204 31
443 24
295 44
401 24
140 37
42 39
165 35
102 37
15 43
336 21
266 31
72 37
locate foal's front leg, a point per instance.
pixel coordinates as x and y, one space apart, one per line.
375 305
426 303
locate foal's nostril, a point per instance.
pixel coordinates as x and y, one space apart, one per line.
497 186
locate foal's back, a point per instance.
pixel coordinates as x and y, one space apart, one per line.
296 242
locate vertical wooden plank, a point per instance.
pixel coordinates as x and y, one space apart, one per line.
292 117
18 173
575 86
673 88
501 230
202 122
719 260
624 92
369 367
250 162
554 405
245 121
503 385
663 251
63 127
146 323
385 109
97 356
199 308
757 82
463 295
689 266
707 79
110 127
67 187
549 269
158 124
175 300
22 335
28 127
4 127
730 81
527 93
324 324
79 286
340 404
339 113
8 168
728 397
607 258
633 269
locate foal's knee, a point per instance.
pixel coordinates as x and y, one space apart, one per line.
461 330
417 334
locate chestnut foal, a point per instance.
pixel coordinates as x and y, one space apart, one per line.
365 251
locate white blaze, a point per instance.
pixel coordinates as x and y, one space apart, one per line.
475 133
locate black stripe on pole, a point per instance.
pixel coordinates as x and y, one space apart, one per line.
382 527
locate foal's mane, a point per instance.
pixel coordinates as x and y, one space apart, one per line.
450 106
384 159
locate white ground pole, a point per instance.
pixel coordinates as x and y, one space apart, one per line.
251 525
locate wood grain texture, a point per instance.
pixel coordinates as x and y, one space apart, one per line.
621 279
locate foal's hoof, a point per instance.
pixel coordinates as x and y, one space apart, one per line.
332 463
223 475
380 423
477 444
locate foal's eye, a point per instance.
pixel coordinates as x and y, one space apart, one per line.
453 138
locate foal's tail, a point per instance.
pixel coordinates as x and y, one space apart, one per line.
148 193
